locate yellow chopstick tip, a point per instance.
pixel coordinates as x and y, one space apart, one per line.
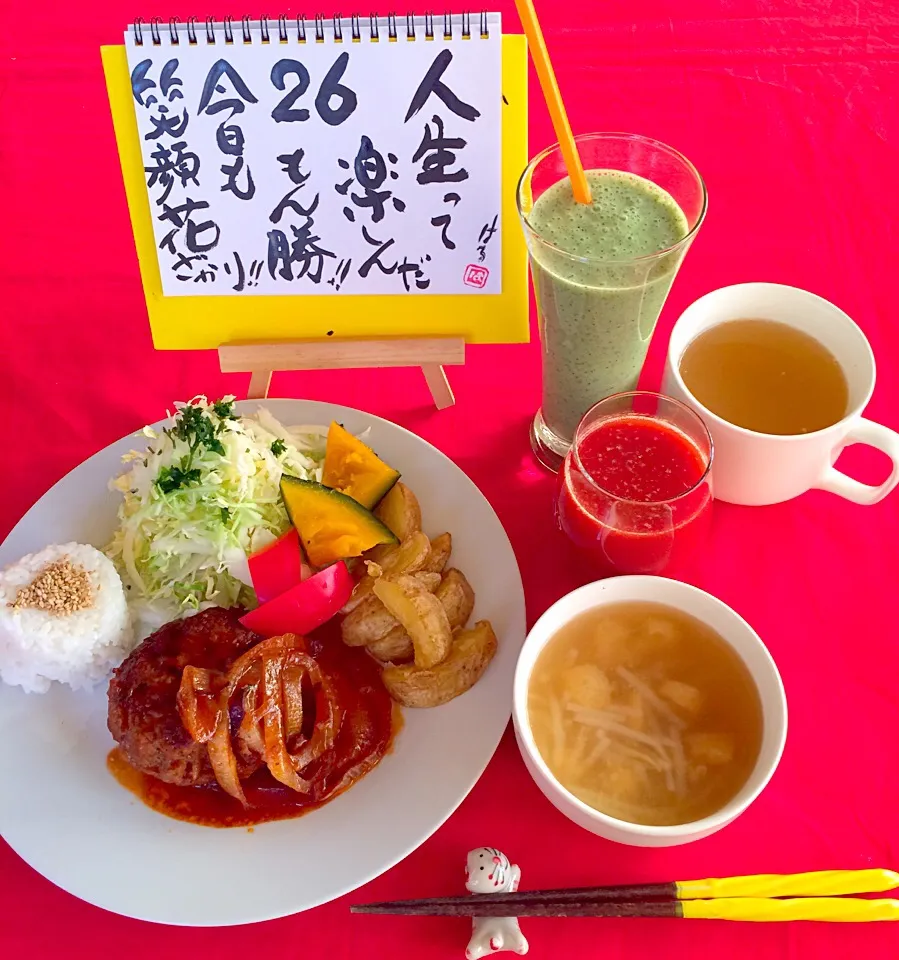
824 909
820 883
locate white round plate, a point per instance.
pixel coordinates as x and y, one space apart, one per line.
64 814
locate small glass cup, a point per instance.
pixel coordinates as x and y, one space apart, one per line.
597 313
635 489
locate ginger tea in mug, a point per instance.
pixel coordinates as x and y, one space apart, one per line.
766 376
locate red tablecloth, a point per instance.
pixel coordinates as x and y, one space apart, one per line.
788 109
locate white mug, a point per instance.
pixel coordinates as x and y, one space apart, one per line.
758 468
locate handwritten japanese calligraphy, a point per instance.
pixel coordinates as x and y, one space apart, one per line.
321 167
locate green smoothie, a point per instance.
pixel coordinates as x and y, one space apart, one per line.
597 314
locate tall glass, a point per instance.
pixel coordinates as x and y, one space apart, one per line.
601 273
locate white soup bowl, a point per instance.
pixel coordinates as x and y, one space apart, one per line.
724 621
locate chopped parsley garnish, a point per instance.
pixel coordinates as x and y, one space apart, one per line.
224 409
226 514
195 427
173 478
278 447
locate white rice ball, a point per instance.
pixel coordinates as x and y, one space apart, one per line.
52 632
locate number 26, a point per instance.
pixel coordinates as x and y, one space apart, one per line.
331 87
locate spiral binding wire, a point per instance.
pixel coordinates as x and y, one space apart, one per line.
286 31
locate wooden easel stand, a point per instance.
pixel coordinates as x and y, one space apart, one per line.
262 359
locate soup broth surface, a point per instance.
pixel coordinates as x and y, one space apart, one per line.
645 714
766 376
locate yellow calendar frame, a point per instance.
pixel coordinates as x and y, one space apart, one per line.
207 322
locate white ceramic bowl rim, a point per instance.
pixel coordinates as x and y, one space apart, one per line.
761 772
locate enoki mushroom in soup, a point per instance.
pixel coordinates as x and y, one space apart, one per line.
645 714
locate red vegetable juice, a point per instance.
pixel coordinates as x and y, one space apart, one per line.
635 493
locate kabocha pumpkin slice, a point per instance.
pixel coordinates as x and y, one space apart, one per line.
355 469
332 525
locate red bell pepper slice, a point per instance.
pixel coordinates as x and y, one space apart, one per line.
305 606
277 567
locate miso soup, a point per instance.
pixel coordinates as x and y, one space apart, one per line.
645 714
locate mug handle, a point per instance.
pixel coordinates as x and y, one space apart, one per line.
874 435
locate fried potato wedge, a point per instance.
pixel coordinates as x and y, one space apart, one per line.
456 596
470 654
421 615
408 556
438 558
370 620
400 511
430 581
394 647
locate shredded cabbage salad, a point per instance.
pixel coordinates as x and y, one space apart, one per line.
202 498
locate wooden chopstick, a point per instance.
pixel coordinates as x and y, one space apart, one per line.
629 893
822 883
475 906
752 909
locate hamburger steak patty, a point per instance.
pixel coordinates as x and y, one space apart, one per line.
143 716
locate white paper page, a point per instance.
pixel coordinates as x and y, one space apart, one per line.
261 183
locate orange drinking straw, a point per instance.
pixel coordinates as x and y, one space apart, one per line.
539 54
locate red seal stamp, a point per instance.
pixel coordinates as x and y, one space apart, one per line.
475 276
